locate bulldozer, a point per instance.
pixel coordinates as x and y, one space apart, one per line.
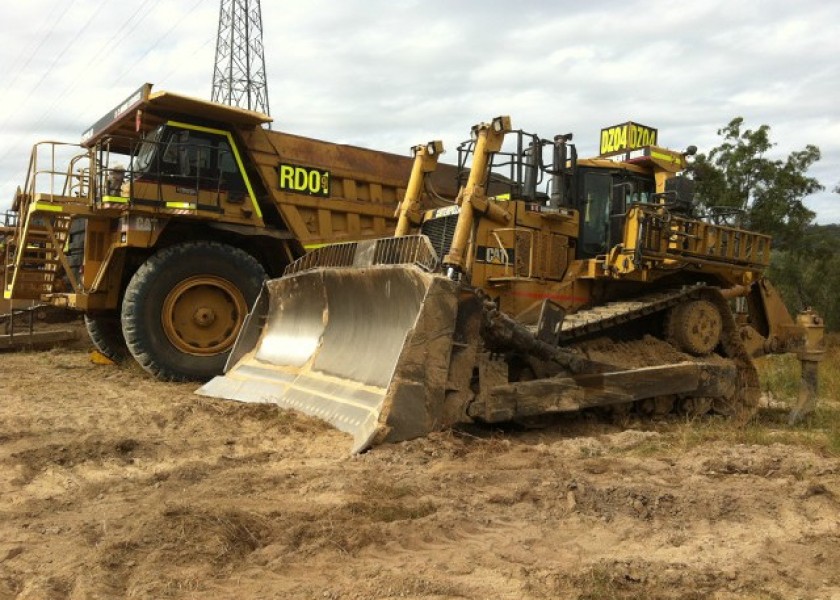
589 283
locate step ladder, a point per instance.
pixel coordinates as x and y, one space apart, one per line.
35 261
35 255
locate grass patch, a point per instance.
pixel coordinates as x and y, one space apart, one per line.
779 374
388 512
780 377
820 432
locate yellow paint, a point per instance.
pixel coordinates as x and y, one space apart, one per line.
43 206
309 247
97 358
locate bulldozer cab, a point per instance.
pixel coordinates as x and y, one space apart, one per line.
605 196
602 189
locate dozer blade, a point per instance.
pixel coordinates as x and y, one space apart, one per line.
366 349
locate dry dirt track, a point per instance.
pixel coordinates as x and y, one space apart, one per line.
113 485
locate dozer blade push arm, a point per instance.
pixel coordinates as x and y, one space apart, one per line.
509 401
473 196
425 161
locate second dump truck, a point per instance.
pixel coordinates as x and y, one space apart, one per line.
163 222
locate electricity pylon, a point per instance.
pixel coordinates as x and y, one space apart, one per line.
239 74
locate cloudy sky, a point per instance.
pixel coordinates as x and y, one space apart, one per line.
388 74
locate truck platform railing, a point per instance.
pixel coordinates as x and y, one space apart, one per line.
70 174
59 183
58 172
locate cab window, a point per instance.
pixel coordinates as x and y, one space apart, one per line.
201 160
596 214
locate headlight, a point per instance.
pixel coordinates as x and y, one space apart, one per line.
434 147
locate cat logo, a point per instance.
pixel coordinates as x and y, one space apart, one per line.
304 180
626 137
494 255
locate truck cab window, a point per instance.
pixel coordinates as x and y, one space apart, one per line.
227 164
147 151
229 174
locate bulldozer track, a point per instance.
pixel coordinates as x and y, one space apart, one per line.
603 318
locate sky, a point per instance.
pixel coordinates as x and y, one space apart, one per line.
389 74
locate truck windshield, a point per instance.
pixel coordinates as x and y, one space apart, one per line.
146 152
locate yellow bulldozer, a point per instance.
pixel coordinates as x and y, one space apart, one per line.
586 283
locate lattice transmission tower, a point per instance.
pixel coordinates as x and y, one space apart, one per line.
239 73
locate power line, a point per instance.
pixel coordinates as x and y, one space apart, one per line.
124 26
13 147
57 57
96 54
154 45
194 52
43 37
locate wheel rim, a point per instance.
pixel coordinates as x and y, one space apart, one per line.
202 315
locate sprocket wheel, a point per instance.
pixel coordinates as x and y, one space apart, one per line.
695 327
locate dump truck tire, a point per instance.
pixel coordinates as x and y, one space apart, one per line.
184 307
105 331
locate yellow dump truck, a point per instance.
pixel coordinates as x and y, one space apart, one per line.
590 283
163 222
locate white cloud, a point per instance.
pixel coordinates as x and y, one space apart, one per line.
389 74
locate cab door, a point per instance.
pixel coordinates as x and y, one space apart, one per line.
595 207
628 189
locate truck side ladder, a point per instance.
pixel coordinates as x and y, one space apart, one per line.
35 256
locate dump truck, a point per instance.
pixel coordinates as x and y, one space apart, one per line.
589 284
163 222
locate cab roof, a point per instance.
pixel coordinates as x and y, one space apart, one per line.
145 110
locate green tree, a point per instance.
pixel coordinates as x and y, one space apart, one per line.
768 195
810 275
737 175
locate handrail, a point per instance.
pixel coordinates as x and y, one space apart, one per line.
74 179
664 233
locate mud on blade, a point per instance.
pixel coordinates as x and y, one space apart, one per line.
365 349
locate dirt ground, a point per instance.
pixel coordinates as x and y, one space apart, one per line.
114 485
